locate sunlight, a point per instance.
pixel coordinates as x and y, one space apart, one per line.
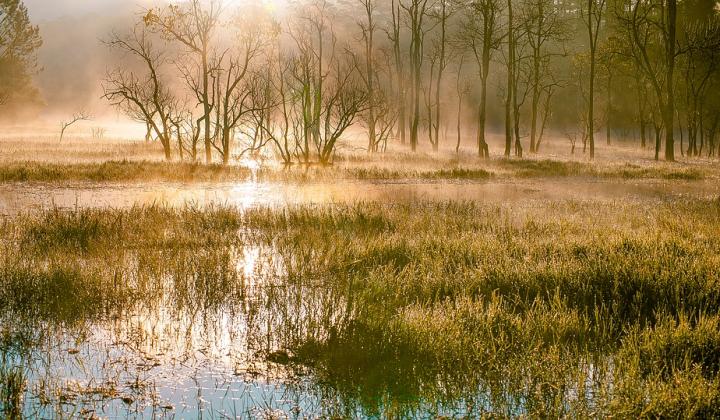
269 5
359 209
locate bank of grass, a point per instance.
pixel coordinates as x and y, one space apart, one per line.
119 171
552 309
141 171
555 168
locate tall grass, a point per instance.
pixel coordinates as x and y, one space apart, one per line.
545 310
12 390
138 171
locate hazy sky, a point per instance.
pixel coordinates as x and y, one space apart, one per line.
42 10
51 9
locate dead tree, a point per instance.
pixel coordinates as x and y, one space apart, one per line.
462 88
700 64
315 42
442 14
368 28
98 133
394 35
343 103
77 117
234 88
510 85
277 99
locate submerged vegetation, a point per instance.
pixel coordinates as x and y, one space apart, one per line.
397 310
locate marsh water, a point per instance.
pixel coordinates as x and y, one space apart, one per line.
17 198
209 338
193 348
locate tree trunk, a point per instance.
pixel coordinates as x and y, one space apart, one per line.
226 145
658 134
669 80
441 70
608 117
483 149
459 125
643 132
591 105
592 34
510 82
206 106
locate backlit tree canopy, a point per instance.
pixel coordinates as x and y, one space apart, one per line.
19 42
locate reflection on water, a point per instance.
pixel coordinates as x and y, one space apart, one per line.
198 346
15 198
231 331
203 339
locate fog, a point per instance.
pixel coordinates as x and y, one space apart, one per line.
276 209
428 74
73 59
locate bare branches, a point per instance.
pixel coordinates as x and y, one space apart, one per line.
77 117
193 25
142 95
297 82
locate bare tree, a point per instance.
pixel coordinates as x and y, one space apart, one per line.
275 117
368 28
462 88
98 133
442 13
398 64
701 62
143 95
481 35
193 25
572 136
544 32
592 12
235 88
416 12
512 105
381 116
76 118
343 103
315 43
651 28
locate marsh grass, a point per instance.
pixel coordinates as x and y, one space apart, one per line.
75 149
599 309
143 170
556 168
12 389
119 171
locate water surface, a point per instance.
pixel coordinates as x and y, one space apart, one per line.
15 198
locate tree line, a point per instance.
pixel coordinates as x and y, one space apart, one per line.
211 81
